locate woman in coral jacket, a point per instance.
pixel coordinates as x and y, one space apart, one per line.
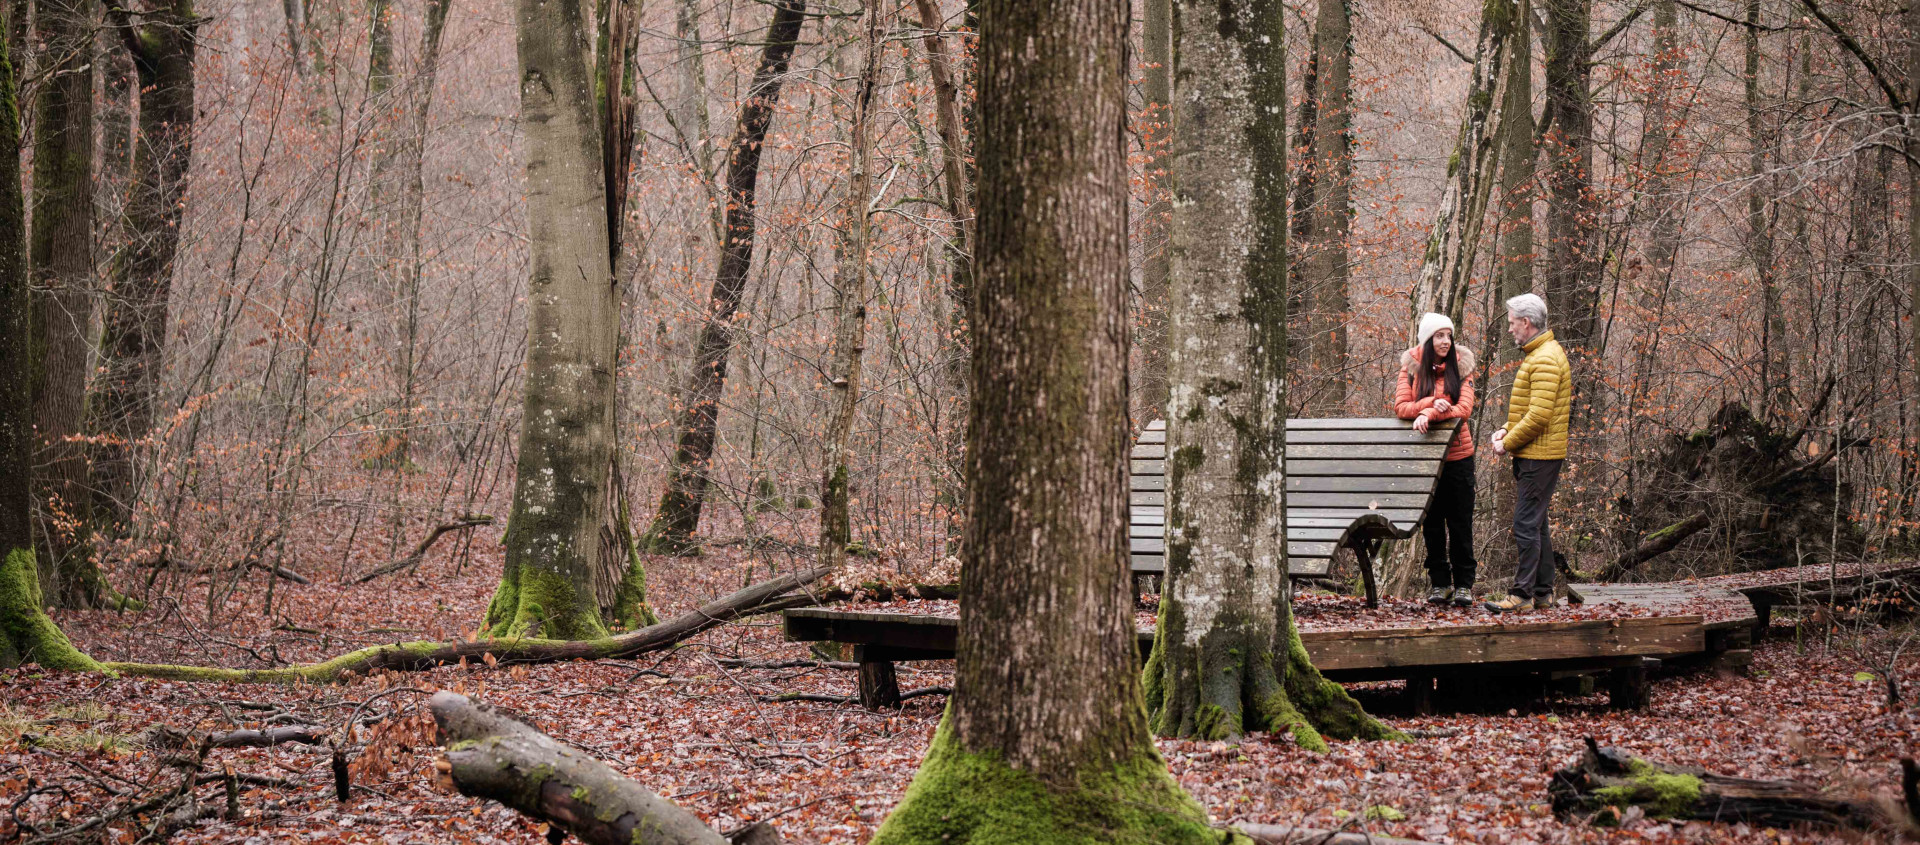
1432 388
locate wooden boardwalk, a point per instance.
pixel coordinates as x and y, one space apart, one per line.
1655 624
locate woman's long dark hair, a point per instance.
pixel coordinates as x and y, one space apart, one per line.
1424 382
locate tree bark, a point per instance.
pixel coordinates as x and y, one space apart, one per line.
62 256
1327 269
1045 738
566 433
1447 267
492 756
133 343
27 634
1774 368
850 302
1227 658
1913 199
1156 38
678 515
1573 209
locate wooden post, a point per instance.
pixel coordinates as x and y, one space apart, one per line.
1420 694
1363 554
1627 685
1762 617
879 687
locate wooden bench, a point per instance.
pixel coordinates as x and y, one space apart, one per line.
1351 483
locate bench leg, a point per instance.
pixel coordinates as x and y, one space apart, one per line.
879 687
1363 554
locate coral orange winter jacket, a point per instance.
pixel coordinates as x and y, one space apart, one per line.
1407 406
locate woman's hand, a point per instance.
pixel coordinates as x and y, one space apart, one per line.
1420 423
1441 405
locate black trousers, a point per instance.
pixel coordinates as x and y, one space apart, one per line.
1449 527
1534 482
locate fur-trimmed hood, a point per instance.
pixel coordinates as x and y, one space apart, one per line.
1410 357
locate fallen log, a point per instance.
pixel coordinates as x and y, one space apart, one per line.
1656 544
419 552
1606 781
1276 834
497 758
765 597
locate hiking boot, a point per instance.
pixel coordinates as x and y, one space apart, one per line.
1462 597
1543 602
1510 604
1440 595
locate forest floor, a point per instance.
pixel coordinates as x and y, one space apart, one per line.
75 747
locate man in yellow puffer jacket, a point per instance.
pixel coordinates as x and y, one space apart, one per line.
1536 435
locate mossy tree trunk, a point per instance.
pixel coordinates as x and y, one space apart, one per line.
62 256
851 280
678 515
1447 267
566 432
27 635
1227 658
133 344
1045 738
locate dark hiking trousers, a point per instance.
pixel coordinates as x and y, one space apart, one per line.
1449 527
1533 491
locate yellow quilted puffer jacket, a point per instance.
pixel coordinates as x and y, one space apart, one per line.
1542 402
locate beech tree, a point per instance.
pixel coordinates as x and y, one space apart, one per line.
1045 738
27 635
561 482
1227 658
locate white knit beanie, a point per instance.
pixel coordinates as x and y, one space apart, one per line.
1430 323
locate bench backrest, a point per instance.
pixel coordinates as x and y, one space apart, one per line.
1347 480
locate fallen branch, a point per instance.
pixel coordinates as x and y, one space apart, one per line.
1607 780
1275 834
764 597
419 552
1656 544
494 757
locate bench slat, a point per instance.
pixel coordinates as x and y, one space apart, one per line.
1308 567
1153 435
1154 451
1336 423
1311 549
1147 467
1396 515
1368 451
1146 482
1382 436
1370 502
1304 468
1148 545
1360 484
1335 534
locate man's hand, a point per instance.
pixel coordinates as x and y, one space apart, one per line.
1420 423
1441 405
1499 447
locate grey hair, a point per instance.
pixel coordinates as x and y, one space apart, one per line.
1530 308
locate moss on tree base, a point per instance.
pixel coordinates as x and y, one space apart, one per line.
27 634
533 602
963 797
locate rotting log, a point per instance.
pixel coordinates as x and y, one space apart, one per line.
1606 781
419 552
1656 544
765 597
1275 834
498 758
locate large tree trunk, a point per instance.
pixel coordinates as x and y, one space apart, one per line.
1327 270
133 344
1573 210
27 635
1045 738
686 491
566 433
850 302
1913 206
1447 267
1156 40
1227 658
62 255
